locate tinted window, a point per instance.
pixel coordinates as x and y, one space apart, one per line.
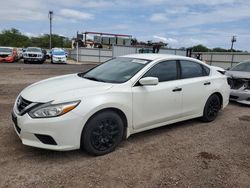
206 71
164 71
191 69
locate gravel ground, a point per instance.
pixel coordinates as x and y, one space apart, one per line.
187 154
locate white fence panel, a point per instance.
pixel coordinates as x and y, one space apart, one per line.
242 57
224 59
123 50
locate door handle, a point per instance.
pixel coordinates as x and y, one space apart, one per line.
207 83
177 89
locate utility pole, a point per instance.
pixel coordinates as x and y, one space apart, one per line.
233 40
50 28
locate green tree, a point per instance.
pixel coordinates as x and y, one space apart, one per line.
57 41
219 49
200 48
13 37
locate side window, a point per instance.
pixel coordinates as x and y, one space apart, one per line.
206 71
191 69
164 71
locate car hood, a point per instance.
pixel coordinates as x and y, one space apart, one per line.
63 88
59 55
39 53
238 74
5 53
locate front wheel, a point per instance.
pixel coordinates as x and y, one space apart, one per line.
102 133
211 108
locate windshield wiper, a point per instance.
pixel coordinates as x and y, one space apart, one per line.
93 78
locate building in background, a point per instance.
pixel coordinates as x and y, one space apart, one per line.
101 40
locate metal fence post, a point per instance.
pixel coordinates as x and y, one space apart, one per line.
211 59
112 50
232 59
99 55
77 52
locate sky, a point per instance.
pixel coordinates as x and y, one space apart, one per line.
181 23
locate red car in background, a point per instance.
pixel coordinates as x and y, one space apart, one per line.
8 54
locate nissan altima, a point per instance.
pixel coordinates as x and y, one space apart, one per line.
96 109
239 80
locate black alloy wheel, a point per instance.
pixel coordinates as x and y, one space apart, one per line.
102 133
212 107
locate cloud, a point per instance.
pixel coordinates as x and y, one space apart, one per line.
163 39
158 17
75 14
27 10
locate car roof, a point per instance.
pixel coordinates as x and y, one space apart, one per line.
152 57
33 47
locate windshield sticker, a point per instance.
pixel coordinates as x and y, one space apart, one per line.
139 61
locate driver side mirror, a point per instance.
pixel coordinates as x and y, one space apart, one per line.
149 81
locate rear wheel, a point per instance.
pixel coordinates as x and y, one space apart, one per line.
211 108
102 133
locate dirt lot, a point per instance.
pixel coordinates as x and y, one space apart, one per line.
187 154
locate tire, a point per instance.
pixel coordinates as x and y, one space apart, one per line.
25 61
102 133
211 109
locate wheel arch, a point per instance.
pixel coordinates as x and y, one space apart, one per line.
115 110
220 97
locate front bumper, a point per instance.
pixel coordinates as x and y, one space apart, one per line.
7 60
32 59
59 61
240 96
65 131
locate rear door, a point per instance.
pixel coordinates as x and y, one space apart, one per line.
196 87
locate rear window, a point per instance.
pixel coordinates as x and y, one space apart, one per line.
191 69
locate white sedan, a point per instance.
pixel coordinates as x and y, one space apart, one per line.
96 109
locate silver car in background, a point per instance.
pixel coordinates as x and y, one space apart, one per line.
58 55
239 81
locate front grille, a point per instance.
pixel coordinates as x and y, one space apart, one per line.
14 119
18 129
32 55
3 56
22 104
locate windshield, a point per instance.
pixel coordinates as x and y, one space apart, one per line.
58 52
244 67
33 50
117 70
5 50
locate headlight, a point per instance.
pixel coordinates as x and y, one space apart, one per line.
53 110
